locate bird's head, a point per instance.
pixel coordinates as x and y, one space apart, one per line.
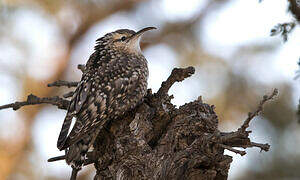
123 39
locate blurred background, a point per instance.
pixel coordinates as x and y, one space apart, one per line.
227 41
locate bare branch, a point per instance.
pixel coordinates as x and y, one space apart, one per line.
32 100
68 84
96 14
259 109
240 137
177 75
57 158
264 147
63 83
242 153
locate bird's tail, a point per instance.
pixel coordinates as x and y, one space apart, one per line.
76 154
64 132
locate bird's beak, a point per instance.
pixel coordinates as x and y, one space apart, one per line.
133 42
138 34
142 31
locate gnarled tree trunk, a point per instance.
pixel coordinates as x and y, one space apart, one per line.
160 141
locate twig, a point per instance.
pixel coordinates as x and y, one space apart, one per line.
63 83
259 109
69 94
32 100
81 67
63 157
264 147
57 158
177 75
242 153
68 84
240 137
74 174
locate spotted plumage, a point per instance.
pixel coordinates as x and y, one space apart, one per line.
114 81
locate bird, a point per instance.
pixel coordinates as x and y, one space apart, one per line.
113 82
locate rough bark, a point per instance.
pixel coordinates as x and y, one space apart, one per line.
159 141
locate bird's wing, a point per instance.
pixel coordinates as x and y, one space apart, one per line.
78 100
97 107
88 117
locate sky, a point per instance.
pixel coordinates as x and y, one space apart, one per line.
239 23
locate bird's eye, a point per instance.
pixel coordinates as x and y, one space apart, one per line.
123 38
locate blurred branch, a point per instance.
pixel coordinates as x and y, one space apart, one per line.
96 13
283 29
184 28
